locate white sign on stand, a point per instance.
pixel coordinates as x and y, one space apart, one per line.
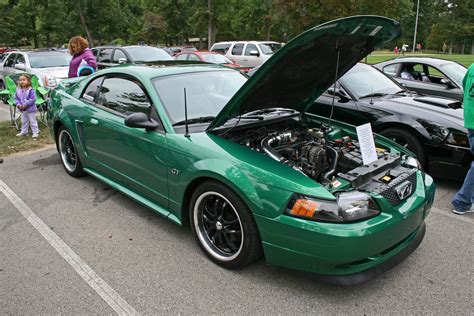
367 144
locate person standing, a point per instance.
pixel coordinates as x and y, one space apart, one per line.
81 55
464 198
25 99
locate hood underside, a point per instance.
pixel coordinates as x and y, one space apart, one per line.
305 67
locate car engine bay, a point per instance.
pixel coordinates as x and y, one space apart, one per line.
331 161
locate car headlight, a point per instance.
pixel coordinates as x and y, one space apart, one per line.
457 139
348 207
50 81
412 162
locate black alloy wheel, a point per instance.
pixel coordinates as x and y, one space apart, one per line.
68 153
224 226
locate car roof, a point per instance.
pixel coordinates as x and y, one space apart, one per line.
159 70
426 60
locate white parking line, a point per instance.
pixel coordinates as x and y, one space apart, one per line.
109 295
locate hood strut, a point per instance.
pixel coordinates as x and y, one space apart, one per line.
335 82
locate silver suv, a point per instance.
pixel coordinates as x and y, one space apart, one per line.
247 54
49 66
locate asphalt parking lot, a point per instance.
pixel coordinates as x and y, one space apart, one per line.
151 266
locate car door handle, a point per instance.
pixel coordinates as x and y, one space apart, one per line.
245 59
94 121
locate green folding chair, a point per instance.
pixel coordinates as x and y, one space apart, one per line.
9 94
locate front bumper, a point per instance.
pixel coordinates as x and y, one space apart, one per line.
448 161
349 253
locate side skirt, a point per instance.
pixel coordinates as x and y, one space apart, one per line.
140 199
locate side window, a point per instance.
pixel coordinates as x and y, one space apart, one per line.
20 59
118 54
10 60
193 57
237 49
105 55
124 96
182 57
95 52
391 70
92 89
220 48
249 48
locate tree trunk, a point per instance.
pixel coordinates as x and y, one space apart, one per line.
450 48
33 28
211 28
83 23
463 46
472 48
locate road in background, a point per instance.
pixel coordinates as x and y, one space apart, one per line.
157 267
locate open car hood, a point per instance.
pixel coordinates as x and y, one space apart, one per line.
304 68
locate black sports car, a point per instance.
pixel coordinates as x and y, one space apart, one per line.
432 76
431 127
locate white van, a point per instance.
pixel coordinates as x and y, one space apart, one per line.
247 54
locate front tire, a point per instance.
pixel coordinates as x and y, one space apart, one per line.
408 140
224 226
68 153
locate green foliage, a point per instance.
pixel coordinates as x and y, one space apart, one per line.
53 22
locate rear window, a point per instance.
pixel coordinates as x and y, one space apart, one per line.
49 60
220 48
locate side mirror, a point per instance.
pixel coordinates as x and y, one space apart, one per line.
254 53
20 66
448 83
122 61
343 97
141 120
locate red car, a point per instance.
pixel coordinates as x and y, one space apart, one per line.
210 57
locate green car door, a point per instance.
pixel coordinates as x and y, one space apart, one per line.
133 157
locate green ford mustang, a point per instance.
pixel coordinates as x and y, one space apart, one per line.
244 165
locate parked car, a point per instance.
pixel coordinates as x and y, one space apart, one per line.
210 57
431 127
108 56
247 54
245 165
49 66
180 49
426 75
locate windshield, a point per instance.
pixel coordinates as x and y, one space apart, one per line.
455 71
147 54
363 80
49 60
206 92
269 48
216 59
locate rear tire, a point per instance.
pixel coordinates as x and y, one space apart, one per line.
407 140
68 153
224 226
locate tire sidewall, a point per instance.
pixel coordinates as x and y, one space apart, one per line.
251 244
78 171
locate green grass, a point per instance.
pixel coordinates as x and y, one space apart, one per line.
379 56
10 144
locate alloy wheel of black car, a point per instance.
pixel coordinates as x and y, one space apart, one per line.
223 226
68 153
407 140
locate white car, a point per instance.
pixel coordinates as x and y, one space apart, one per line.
49 66
247 54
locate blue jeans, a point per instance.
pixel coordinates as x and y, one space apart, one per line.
464 199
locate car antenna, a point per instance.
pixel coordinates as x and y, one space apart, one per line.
335 82
186 129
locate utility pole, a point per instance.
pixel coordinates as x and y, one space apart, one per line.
416 25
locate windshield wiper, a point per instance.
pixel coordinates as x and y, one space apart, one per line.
377 94
201 119
266 111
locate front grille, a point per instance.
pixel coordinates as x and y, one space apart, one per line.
390 193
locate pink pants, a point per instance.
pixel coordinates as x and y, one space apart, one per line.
27 119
